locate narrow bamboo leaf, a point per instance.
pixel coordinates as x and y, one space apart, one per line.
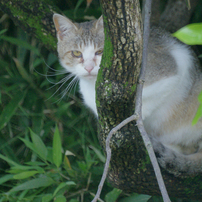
47 198
33 184
190 34
3 31
25 174
15 171
62 185
113 195
39 146
10 108
77 6
29 144
136 197
99 154
198 115
19 168
57 148
22 195
200 97
66 162
9 161
6 178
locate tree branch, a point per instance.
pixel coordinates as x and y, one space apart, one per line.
34 17
138 106
176 14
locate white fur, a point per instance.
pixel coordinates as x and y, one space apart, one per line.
87 80
160 97
163 94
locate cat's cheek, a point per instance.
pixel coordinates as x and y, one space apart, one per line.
98 60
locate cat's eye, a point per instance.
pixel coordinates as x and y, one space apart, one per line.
99 52
76 54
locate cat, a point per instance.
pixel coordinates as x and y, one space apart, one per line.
172 83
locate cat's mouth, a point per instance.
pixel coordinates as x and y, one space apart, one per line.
90 76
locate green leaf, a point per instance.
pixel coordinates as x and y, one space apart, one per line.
113 195
25 174
60 198
47 198
9 161
73 200
33 184
136 198
10 108
98 153
77 6
200 97
198 115
199 111
5 178
3 31
22 195
28 144
57 148
190 34
39 146
62 185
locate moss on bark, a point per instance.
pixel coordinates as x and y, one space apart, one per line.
34 17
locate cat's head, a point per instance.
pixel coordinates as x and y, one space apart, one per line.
80 45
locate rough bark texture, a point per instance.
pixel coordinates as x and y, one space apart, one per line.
130 167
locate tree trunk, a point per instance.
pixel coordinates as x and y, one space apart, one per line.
131 169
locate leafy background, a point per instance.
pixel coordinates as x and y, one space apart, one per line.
49 149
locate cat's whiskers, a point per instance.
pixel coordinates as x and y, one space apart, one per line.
66 78
71 85
62 82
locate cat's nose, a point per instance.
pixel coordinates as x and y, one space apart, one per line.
89 68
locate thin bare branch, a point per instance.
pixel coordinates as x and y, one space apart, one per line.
108 150
138 107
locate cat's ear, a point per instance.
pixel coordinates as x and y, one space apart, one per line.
99 23
63 26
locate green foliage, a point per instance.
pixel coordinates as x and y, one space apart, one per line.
199 111
190 34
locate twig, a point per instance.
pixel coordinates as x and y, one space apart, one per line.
108 150
138 107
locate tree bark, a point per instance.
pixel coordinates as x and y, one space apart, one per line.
131 169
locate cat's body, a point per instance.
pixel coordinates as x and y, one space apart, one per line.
172 84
